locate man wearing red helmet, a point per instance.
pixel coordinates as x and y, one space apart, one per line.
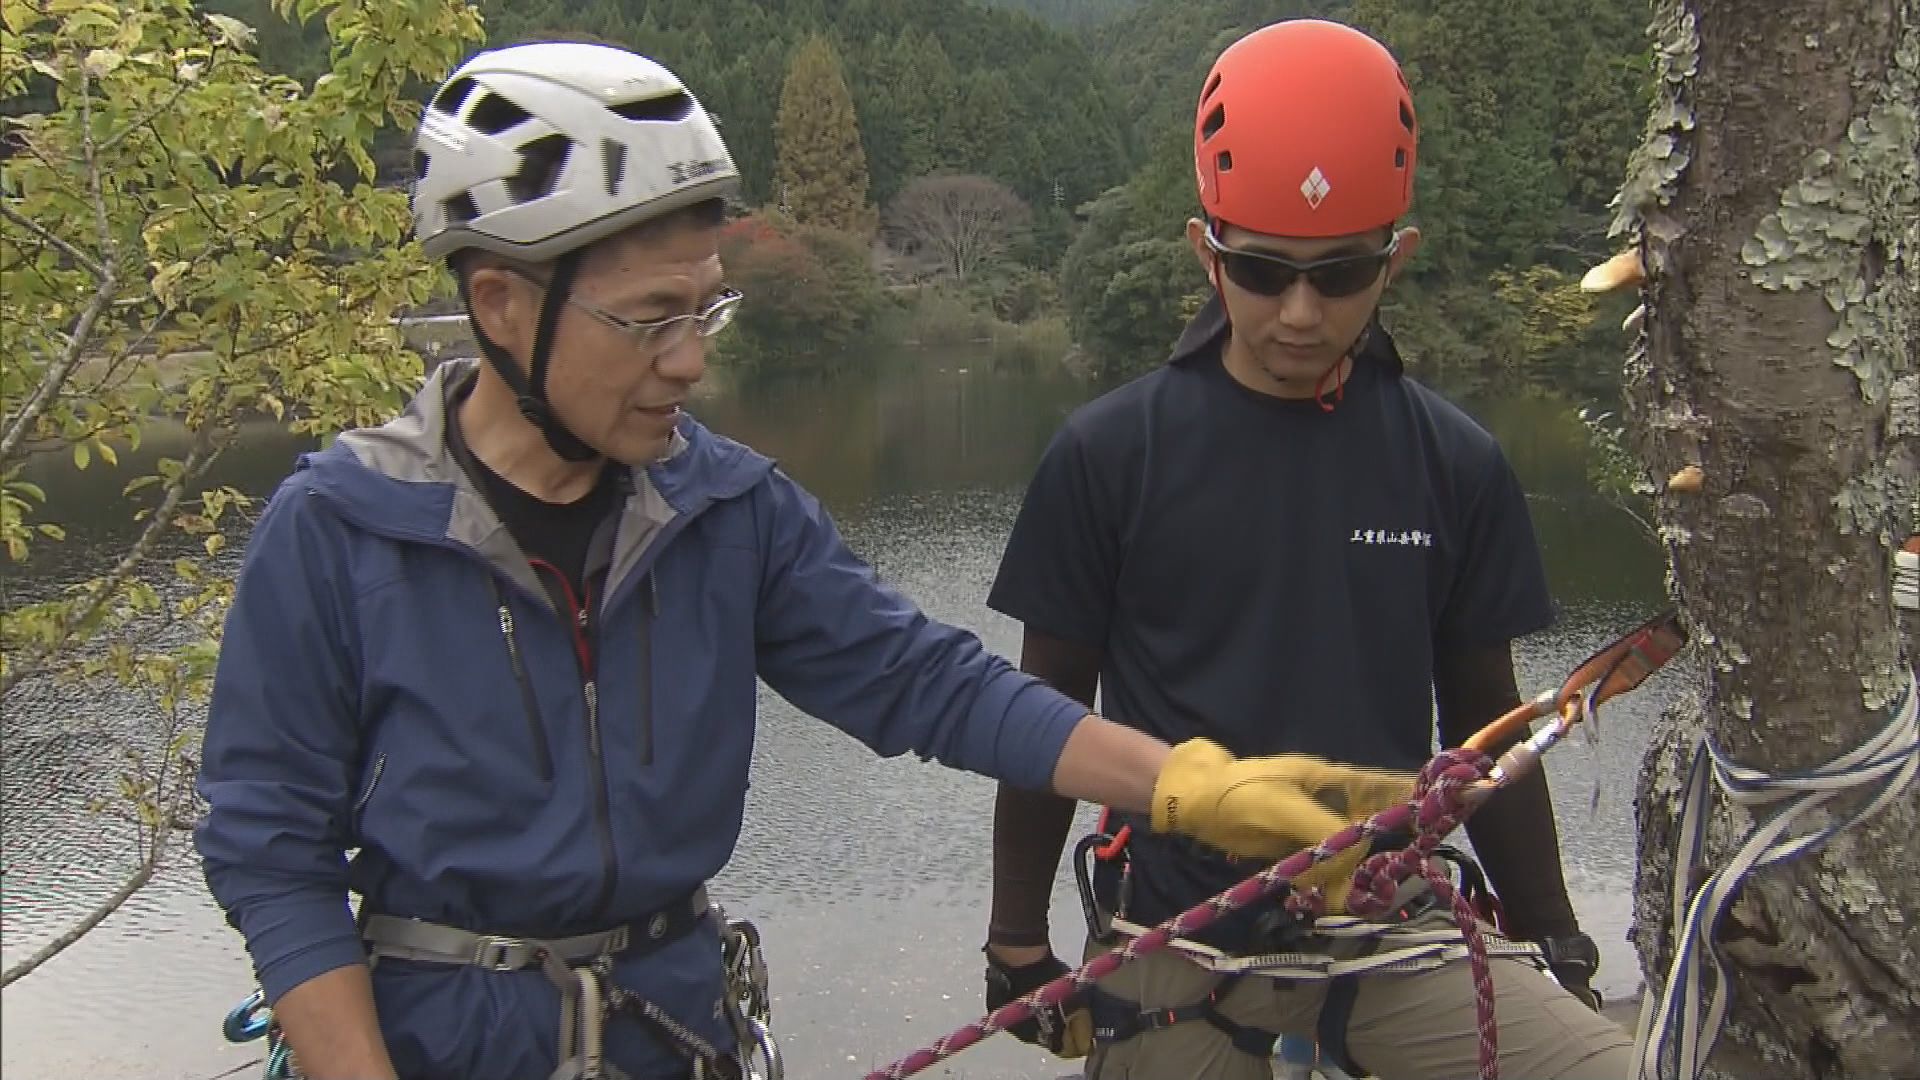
1279 542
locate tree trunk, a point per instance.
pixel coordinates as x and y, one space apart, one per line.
1776 204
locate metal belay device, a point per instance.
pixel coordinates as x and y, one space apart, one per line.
743 963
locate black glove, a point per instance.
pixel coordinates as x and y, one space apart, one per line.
1065 1029
1573 960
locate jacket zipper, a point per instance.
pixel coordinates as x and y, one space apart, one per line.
542 755
602 811
649 611
373 781
586 633
591 691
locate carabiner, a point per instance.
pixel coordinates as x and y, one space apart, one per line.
249 1020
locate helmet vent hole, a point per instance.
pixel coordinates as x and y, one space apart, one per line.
540 164
1225 161
673 108
1212 85
420 164
1400 158
1215 120
453 95
495 114
1406 116
461 208
613 155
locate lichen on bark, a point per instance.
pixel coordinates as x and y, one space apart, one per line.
1850 213
1779 224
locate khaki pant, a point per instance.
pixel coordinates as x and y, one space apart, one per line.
1416 1026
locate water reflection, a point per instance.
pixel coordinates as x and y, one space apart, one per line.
939 425
92 506
870 887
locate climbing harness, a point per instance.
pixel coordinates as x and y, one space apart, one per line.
1404 942
1444 783
1102 870
581 969
1412 950
1449 788
1675 1036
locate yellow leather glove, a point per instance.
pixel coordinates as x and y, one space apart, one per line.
1271 807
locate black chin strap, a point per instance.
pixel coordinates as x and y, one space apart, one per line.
531 397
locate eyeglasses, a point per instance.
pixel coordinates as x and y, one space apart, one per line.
659 335
1272 275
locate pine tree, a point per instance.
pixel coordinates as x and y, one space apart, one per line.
822 168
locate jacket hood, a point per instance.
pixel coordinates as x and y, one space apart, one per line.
403 479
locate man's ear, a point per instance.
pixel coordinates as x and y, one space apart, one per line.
503 307
1409 238
1197 239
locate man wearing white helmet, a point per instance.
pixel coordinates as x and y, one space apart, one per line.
504 647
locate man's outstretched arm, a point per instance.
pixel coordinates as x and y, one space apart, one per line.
1030 827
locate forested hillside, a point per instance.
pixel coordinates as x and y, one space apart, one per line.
1079 111
937 85
1071 13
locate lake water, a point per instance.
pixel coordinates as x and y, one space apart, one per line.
868 877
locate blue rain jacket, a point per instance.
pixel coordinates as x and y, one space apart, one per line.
370 701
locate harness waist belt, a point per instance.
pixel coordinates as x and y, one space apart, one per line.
397 938
584 993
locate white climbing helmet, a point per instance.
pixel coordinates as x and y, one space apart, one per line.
534 150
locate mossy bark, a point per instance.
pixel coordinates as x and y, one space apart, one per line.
1776 202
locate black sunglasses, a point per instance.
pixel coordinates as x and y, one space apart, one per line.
1272 275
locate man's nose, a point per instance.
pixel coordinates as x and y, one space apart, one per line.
685 361
1300 305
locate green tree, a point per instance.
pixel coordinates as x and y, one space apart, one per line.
187 236
1069 13
982 128
810 292
822 168
1546 312
1129 285
927 99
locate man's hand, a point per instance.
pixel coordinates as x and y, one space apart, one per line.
1067 1029
1271 807
1573 961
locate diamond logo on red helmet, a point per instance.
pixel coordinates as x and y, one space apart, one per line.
1315 188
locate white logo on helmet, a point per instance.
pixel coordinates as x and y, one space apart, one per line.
1315 188
685 171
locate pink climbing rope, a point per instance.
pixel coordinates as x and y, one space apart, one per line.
1379 878
1440 802
1450 787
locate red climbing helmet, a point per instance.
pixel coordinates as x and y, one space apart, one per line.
1305 128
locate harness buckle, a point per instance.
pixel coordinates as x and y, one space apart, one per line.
617 940
498 953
